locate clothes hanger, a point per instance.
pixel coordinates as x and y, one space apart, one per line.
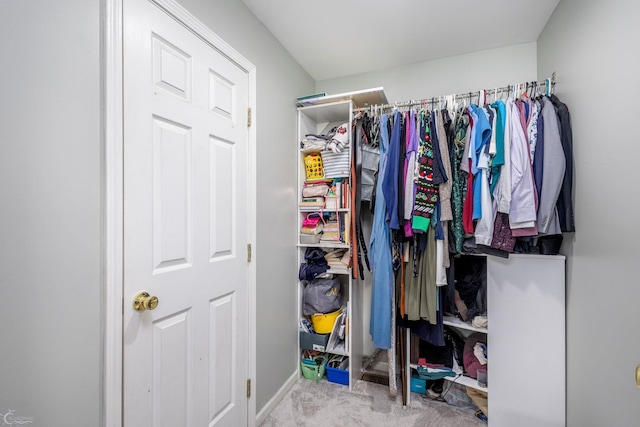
547 84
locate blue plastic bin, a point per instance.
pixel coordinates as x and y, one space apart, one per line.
339 376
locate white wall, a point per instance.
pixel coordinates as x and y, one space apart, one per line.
279 81
593 46
457 74
50 210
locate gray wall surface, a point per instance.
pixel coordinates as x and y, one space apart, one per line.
455 74
279 81
50 212
50 194
593 47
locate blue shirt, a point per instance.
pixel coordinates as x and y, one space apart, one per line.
390 175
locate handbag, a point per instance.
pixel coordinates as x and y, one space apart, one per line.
315 190
321 296
312 224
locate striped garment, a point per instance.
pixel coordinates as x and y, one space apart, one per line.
426 190
336 165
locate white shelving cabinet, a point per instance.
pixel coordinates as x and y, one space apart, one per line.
525 339
319 119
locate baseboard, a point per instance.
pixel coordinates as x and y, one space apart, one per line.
273 402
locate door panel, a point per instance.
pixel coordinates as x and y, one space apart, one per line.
172 217
186 210
171 376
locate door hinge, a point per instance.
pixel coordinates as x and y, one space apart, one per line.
248 388
248 252
249 116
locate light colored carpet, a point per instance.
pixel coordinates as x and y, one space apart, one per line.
325 404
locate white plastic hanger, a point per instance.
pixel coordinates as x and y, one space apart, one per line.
547 84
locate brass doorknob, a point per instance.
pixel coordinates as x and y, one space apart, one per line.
143 301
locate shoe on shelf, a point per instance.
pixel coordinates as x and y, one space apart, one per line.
482 417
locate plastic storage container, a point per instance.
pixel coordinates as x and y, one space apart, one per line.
323 323
316 342
339 376
314 369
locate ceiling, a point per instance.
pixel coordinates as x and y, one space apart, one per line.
334 38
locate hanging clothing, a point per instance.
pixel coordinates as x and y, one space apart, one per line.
410 173
444 189
467 208
426 190
420 291
565 198
380 248
499 159
554 169
532 127
504 186
538 163
522 213
491 178
479 157
390 176
484 226
459 188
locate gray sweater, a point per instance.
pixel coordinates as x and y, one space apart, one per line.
554 165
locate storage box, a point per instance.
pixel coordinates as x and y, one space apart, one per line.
339 376
313 369
331 203
418 385
316 342
309 239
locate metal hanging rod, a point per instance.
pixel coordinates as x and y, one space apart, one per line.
547 83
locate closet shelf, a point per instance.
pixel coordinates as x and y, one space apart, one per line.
336 271
468 382
457 323
324 245
317 209
460 379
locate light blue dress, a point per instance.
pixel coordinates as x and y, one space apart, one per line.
380 248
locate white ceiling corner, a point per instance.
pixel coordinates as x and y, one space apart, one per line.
335 38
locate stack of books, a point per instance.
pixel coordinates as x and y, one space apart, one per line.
331 230
312 202
338 259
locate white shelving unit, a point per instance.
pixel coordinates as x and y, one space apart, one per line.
319 119
526 328
457 323
460 379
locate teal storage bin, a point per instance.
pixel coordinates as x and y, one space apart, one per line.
418 385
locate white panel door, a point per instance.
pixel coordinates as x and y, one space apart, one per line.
185 234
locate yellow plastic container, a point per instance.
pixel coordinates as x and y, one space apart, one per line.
323 323
313 166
